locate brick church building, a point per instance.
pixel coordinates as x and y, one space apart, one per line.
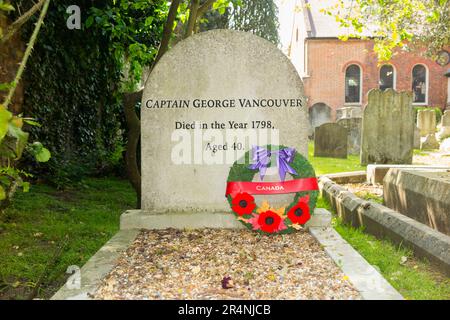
339 73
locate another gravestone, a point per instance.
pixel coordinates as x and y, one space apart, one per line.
208 101
426 122
445 121
421 195
416 143
330 140
444 130
319 113
387 128
349 112
429 142
353 126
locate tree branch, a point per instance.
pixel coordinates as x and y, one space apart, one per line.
195 4
16 25
204 7
167 32
27 54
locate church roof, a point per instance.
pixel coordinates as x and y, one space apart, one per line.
320 25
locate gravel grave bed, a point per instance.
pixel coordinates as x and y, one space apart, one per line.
225 264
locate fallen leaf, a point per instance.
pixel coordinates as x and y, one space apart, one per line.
271 277
403 260
227 283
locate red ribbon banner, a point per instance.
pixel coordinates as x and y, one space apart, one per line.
290 186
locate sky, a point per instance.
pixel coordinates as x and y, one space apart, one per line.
285 17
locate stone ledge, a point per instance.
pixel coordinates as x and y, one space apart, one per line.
364 277
98 266
141 219
383 222
377 172
347 177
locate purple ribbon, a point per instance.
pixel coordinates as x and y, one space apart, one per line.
261 159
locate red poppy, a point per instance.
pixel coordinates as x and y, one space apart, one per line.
269 221
299 214
243 203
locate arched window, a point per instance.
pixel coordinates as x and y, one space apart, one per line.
387 77
420 84
353 84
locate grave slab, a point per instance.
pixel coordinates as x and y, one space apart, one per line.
377 172
421 195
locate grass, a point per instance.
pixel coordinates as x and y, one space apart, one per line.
414 278
46 230
324 165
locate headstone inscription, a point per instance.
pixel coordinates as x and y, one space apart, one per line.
385 139
208 101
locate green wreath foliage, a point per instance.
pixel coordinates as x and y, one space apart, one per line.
240 171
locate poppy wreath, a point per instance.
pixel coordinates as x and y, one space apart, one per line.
265 219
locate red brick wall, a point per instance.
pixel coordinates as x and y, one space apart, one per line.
328 59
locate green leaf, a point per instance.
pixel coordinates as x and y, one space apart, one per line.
26 186
21 138
2 193
89 21
5 116
32 122
43 155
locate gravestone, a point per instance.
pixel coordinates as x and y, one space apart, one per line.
319 113
349 112
208 101
330 140
444 130
387 128
421 195
445 121
429 142
353 126
416 143
426 122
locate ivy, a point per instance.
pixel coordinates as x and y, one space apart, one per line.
71 88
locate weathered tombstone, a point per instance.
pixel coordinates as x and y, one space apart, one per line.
426 122
445 121
319 113
206 93
349 112
416 138
330 140
387 128
421 195
356 112
444 130
429 142
353 126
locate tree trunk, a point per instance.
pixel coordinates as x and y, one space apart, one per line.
133 135
195 4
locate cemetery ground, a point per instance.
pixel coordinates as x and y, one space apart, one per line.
47 230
